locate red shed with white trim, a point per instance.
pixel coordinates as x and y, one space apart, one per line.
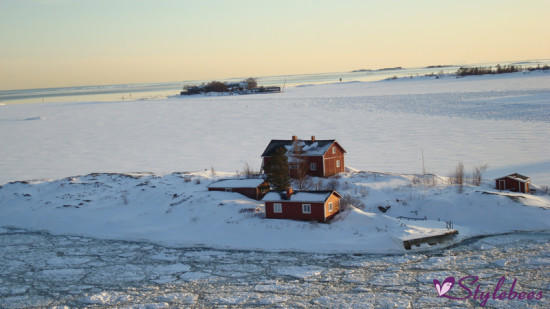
302 205
513 182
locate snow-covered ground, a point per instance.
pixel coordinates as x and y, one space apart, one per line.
384 126
177 210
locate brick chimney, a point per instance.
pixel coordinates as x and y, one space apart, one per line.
294 138
289 192
313 138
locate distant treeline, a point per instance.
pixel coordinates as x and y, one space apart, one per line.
438 66
498 69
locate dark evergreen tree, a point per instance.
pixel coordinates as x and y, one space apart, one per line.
276 170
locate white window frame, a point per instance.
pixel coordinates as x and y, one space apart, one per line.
278 208
306 208
333 149
337 163
313 166
330 207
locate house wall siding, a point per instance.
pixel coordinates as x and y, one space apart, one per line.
512 185
318 160
335 207
331 158
293 210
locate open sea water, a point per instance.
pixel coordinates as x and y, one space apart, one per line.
151 91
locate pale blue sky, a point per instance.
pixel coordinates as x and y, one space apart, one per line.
46 43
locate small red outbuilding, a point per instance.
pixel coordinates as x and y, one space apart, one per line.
302 205
513 182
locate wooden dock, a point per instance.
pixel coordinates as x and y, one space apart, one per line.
430 240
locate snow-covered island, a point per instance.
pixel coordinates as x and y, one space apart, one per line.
384 125
177 210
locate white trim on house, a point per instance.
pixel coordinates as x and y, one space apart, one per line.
306 208
502 184
330 207
277 208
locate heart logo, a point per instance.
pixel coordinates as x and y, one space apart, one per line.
445 286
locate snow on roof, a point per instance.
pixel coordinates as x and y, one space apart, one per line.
309 148
298 196
237 183
517 177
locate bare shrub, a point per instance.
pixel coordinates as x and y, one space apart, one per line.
333 184
362 192
299 164
477 174
306 184
350 200
248 172
247 210
457 177
346 186
125 197
544 190
425 179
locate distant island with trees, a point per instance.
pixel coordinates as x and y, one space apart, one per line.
465 71
498 69
248 86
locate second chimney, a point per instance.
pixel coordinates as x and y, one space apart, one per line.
313 138
294 137
289 192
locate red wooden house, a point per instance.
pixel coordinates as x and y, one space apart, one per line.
513 182
321 158
302 205
252 188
